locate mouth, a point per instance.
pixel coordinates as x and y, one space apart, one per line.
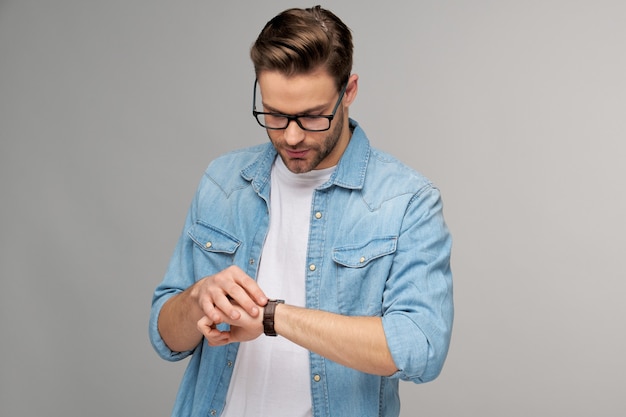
296 154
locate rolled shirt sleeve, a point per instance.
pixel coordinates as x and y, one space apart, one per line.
418 303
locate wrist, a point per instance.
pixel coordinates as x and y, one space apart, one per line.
269 317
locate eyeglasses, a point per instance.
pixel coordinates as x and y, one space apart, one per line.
279 121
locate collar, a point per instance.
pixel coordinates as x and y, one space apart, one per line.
350 172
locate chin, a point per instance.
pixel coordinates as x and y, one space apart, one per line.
298 168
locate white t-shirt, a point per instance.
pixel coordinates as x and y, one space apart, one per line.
272 374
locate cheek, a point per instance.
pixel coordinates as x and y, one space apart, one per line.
273 135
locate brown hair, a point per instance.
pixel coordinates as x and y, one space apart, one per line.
298 41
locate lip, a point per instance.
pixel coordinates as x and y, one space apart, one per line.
296 154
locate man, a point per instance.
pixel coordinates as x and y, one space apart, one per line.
337 248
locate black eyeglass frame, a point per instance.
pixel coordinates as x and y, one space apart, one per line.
296 118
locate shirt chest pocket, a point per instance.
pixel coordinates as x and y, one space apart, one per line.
215 249
361 272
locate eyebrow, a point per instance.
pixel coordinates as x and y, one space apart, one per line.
302 113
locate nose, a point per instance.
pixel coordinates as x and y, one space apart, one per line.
293 133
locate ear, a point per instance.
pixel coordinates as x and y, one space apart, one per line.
351 90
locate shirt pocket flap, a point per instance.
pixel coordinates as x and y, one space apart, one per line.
212 239
361 255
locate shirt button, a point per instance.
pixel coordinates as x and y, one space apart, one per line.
229 363
251 261
213 412
312 267
318 215
208 245
317 378
362 259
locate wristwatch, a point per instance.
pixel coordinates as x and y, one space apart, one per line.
268 317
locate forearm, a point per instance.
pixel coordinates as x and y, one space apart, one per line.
178 323
355 342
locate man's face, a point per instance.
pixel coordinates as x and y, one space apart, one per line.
310 94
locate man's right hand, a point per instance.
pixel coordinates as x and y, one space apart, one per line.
217 294
214 297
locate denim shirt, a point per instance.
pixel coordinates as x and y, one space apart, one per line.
378 246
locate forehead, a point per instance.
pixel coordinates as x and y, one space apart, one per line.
297 93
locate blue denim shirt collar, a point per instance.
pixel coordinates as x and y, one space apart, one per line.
350 172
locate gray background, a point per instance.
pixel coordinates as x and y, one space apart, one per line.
110 111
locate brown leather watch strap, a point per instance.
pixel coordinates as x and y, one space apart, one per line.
268 317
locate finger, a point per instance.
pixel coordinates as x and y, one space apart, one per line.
224 287
205 325
218 338
253 289
214 336
225 308
249 295
231 287
211 312
201 291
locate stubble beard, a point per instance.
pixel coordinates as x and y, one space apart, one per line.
318 152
